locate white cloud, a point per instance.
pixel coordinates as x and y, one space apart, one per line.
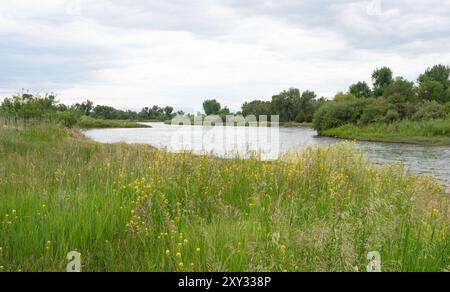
140 53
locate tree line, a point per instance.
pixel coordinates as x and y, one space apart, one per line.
386 100
28 106
389 99
290 105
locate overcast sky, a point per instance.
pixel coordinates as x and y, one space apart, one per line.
134 53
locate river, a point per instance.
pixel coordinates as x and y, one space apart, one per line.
227 141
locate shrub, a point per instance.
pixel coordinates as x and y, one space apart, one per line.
340 96
337 113
431 110
68 118
375 111
392 116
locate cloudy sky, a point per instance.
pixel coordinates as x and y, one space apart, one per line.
134 53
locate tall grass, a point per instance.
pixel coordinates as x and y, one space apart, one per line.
88 123
134 208
420 132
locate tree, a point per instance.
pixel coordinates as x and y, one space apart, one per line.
211 107
400 90
432 90
340 96
375 111
305 106
224 111
337 113
256 108
381 78
434 84
430 110
168 112
29 106
105 112
403 95
360 89
283 104
438 73
85 108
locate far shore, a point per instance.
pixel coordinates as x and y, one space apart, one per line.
425 141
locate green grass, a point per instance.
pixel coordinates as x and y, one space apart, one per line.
435 132
89 123
295 125
135 208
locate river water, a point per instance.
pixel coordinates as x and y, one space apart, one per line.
228 141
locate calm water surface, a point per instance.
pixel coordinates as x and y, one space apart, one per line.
427 160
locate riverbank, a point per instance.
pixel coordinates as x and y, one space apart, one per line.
91 123
135 208
435 133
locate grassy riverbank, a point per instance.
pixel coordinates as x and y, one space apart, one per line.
90 123
134 208
435 132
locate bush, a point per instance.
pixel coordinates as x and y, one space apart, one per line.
68 118
375 111
447 107
431 110
337 113
392 116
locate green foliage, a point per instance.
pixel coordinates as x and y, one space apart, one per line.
431 132
391 116
156 113
431 110
283 104
340 96
394 100
361 89
224 111
431 90
27 106
337 113
85 108
291 105
381 78
306 106
256 108
375 111
86 122
434 84
68 118
211 107
36 107
400 91
438 73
